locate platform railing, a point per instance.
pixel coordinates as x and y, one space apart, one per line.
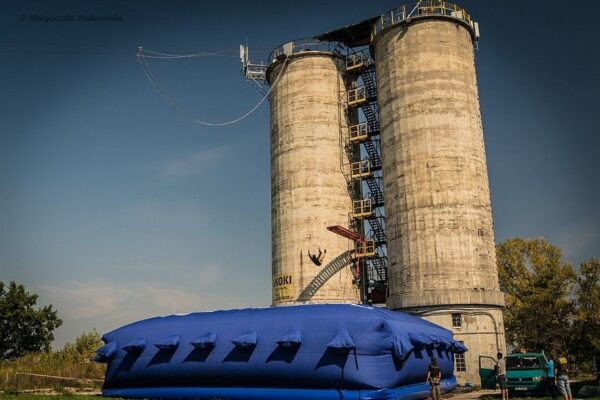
358 60
359 132
422 9
360 169
365 249
302 45
362 208
357 96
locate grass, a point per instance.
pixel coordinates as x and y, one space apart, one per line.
48 397
576 385
49 364
496 397
73 361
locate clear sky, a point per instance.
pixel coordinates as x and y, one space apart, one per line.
114 206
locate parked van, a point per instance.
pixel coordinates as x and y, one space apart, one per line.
526 373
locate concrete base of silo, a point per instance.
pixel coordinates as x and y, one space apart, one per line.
480 328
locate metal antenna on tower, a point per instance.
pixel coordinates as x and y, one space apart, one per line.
253 71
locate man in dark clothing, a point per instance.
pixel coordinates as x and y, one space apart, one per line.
317 259
501 371
434 376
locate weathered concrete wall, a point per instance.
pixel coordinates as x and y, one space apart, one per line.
437 200
438 211
308 188
481 330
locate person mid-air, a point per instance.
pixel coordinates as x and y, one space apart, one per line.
317 259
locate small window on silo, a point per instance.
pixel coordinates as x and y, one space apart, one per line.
456 320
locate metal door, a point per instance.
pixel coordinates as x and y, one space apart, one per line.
487 372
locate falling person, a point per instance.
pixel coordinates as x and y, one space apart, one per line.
317 259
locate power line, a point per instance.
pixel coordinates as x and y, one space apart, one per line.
60 51
23 47
173 103
156 54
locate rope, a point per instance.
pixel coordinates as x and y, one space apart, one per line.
156 54
61 377
154 82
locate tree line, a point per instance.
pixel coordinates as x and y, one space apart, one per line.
551 305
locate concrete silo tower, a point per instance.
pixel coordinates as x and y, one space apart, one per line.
308 189
441 253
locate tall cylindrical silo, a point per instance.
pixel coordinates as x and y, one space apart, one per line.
442 262
308 189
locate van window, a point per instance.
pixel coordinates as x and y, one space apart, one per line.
523 362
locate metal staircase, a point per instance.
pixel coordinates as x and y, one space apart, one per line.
363 149
375 186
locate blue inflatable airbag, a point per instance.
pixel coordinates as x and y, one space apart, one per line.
135 346
409 392
169 343
106 352
313 351
342 341
246 340
291 339
206 341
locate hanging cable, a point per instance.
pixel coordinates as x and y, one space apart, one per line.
154 82
156 54
150 78
260 87
191 56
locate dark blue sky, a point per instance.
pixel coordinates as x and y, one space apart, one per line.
115 206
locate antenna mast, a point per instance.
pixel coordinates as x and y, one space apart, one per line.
252 70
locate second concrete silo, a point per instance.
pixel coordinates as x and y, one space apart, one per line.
308 189
442 262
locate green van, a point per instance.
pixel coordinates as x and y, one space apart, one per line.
525 373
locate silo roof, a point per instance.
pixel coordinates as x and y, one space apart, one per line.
354 35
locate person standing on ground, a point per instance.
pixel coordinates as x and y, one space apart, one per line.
501 371
561 371
550 377
434 376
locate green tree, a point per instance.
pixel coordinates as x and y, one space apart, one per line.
586 319
23 327
537 284
84 347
